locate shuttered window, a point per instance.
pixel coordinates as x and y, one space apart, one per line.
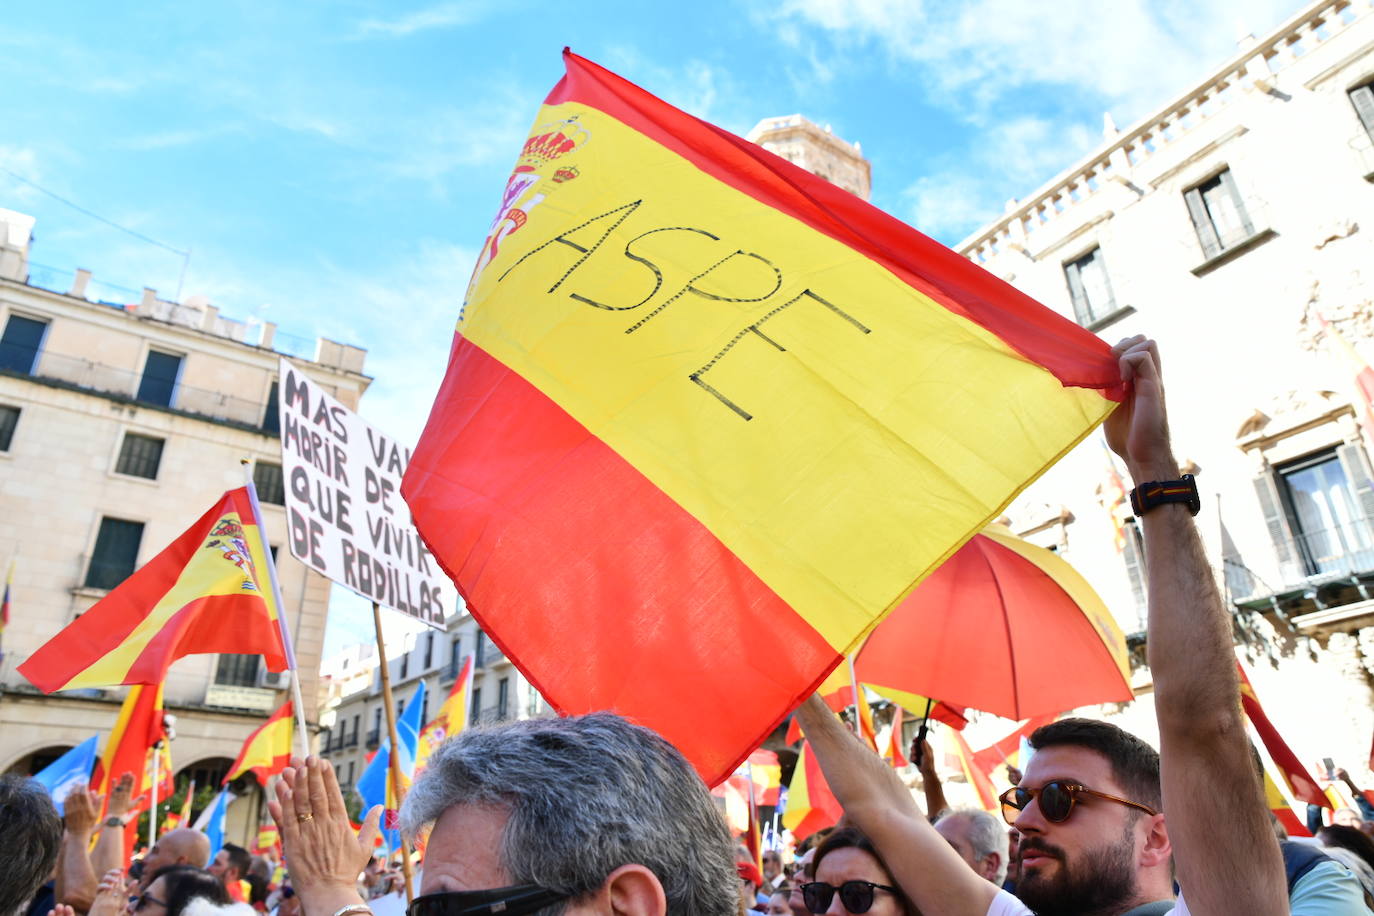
115 553
1218 214
267 480
1325 503
159 381
139 456
9 420
20 343
1089 287
1362 97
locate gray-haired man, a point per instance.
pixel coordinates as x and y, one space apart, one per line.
587 814
979 838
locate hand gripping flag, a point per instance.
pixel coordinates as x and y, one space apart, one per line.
201 594
268 750
452 718
698 394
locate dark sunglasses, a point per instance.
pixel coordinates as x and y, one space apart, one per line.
1056 800
142 901
516 900
857 896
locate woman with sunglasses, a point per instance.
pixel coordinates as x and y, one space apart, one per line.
175 887
851 879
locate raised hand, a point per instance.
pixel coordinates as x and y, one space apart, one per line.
326 855
1138 430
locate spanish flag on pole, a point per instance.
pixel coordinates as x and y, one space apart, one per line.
267 751
203 593
699 386
974 774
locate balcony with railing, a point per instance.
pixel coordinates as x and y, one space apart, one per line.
492 715
92 375
1326 574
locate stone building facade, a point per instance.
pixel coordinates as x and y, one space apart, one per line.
120 424
1232 224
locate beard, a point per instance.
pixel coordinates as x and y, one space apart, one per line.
1101 881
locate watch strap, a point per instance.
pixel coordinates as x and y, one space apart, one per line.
1148 496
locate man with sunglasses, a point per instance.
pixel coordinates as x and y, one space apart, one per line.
1090 826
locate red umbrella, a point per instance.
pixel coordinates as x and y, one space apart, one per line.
1005 627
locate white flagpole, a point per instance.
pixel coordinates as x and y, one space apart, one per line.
152 812
302 730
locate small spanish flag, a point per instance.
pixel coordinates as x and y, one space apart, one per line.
450 721
206 592
267 751
810 803
695 383
1300 782
974 774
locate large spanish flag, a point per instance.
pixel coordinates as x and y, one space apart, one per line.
208 591
267 751
699 397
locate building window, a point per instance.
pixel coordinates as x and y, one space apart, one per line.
20 344
9 419
355 730
237 670
1089 287
502 697
475 706
405 665
271 419
1325 498
376 725
1218 214
349 780
429 650
454 658
139 456
115 553
481 653
1362 97
424 709
267 479
159 381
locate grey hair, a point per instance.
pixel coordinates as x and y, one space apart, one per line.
33 830
586 795
986 834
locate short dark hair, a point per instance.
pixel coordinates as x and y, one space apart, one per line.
239 858
1349 838
1135 765
854 838
28 814
186 883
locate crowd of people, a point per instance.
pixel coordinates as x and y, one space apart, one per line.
594 814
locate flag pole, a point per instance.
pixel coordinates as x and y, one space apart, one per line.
854 686
394 757
302 741
152 812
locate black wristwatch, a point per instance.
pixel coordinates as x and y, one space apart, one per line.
114 821
1158 492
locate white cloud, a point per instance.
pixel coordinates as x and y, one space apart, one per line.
963 192
1127 54
438 16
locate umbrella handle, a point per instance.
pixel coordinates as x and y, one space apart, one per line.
921 733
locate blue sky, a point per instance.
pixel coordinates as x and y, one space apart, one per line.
333 165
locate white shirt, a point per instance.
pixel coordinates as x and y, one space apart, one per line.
1004 904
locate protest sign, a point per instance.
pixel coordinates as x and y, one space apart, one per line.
345 515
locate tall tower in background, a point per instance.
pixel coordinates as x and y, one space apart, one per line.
817 150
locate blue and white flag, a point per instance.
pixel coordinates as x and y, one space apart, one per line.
68 771
211 821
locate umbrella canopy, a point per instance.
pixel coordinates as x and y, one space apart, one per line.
1005 627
